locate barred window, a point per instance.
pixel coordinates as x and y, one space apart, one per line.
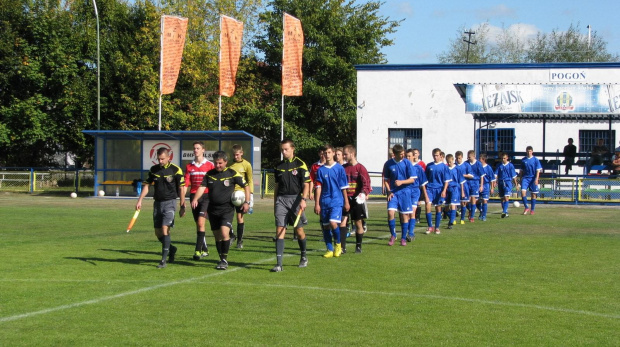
496 140
408 138
588 139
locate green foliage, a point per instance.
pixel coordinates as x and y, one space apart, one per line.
509 47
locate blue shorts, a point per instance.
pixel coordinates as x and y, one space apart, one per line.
527 183
504 188
434 195
401 201
465 191
415 196
453 195
331 214
486 192
474 188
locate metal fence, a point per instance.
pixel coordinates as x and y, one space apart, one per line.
589 189
36 180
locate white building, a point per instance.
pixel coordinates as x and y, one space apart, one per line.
485 107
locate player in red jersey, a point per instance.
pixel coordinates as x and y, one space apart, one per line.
194 173
359 188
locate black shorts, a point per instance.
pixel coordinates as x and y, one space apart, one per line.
356 211
218 221
422 195
201 209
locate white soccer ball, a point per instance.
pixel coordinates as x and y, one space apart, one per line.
516 204
237 198
73 195
101 193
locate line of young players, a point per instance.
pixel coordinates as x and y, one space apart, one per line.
451 182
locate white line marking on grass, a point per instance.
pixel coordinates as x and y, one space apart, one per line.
427 296
122 295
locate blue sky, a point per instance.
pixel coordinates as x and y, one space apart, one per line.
429 26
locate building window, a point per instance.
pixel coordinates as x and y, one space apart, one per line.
496 140
588 139
408 138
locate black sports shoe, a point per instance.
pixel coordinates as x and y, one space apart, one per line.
303 262
161 265
240 244
358 250
344 250
277 268
408 239
222 265
449 226
173 252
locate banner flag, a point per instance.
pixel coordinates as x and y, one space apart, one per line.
173 31
292 79
231 34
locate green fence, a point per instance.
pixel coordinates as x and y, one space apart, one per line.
46 180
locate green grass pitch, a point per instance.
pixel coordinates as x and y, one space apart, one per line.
71 276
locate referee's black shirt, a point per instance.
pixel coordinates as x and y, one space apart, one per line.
291 175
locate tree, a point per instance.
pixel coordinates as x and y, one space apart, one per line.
510 47
338 35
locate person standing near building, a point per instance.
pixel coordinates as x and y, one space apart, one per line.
194 174
330 200
357 193
455 187
418 191
291 191
530 172
438 176
570 152
464 172
474 183
220 183
244 168
487 182
168 180
506 175
398 175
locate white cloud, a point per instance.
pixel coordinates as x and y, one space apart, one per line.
496 11
521 30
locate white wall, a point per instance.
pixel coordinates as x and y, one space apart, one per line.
427 99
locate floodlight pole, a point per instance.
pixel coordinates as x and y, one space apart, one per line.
98 71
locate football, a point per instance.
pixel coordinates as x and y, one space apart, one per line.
101 193
516 204
238 198
73 195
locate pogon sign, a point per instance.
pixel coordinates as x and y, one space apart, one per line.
568 75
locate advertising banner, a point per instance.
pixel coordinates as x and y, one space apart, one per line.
545 98
231 33
173 31
149 152
292 78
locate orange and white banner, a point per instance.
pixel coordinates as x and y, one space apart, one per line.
292 77
231 34
173 31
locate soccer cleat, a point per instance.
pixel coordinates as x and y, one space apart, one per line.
344 251
197 255
462 221
437 231
526 211
403 242
328 254
338 250
484 219
429 230
471 220
507 215
240 244
222 265
161 265
392 239
532 212
173 252
303 262
358 250
277 268
205 253
408 239
449 226
504 214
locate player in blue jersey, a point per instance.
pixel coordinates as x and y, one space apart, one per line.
465 172
455 188
487 185
436 189
330 198
474 182
418 187
506 175
530 172
398 174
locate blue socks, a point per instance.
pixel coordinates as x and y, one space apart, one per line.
412 227
405 231
327 235
437 219
429 219
392 226
533 203
524 199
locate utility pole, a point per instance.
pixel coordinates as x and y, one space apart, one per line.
469 43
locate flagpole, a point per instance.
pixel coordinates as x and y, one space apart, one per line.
161 69
219 115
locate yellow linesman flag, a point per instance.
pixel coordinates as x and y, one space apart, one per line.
173 31
231 34
292 78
